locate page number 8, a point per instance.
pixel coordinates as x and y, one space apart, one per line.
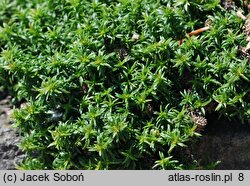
241 177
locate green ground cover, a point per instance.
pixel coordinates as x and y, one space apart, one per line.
106 84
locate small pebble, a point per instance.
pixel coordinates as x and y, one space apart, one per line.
135 37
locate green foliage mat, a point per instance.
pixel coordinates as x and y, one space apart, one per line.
105 84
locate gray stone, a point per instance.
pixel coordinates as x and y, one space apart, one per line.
224 141
10 154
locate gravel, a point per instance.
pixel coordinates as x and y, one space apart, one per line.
10 154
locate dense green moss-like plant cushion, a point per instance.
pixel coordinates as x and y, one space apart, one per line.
106 85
